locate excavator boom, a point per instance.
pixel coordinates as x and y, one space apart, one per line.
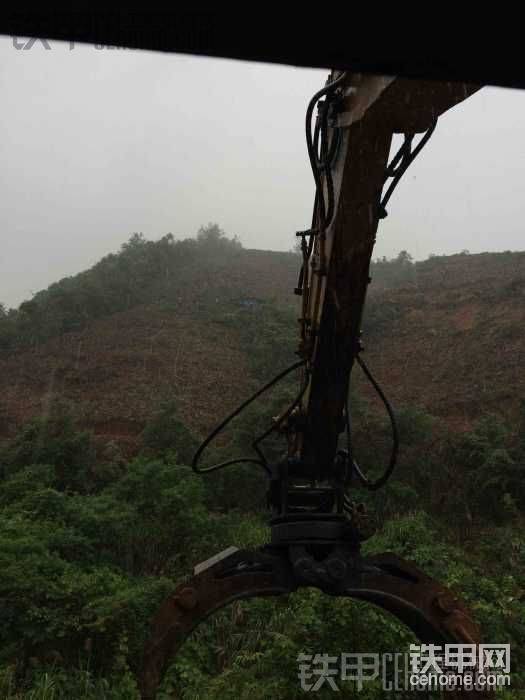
370 111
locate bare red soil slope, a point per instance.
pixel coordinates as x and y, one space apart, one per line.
450 340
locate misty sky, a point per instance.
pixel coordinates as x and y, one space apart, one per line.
97 144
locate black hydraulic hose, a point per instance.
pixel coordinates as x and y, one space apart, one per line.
313 156
365 481
279 421
405 158
228 419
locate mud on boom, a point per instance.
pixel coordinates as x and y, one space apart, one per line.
316 529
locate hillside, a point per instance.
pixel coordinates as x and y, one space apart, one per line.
205 328
152 346
452 341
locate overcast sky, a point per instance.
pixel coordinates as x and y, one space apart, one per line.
98 143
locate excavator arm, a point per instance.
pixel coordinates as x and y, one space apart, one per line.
367 112
315 536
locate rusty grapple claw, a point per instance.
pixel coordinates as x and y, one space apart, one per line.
429 609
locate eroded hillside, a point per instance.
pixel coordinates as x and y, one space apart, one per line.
204 328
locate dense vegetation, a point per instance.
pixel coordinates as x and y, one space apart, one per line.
89 547
90 542
142 271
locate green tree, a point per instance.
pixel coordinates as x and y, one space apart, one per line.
166 433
